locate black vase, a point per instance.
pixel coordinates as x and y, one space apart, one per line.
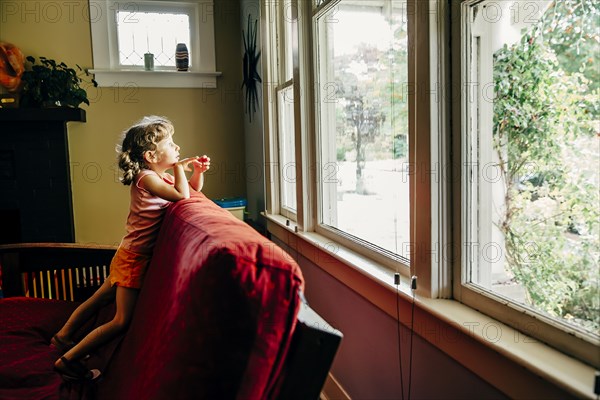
182 59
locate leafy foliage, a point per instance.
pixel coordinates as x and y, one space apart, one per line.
545 122
50 83
572 27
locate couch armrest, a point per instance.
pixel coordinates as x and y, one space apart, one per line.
66 271
313 348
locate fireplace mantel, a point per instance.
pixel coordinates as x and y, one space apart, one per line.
63 114
35 180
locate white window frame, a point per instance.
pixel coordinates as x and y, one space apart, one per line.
431 209
189 9
566 338
429 254
284 134
419 239
280 20
107 70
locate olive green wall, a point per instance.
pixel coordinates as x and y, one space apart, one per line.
207 121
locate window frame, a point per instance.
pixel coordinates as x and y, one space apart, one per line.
567 339
419 239
279 25
429 238
282 91
430 256
107 70
189 9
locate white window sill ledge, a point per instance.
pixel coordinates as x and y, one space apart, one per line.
155 79
495 360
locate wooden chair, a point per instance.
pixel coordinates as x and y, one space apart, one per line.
62 271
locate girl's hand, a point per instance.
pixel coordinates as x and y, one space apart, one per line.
201 164
185 163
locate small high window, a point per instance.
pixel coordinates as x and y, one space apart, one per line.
123 32
157 33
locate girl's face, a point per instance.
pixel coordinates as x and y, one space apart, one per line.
167 152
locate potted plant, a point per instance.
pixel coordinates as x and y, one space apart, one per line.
53 84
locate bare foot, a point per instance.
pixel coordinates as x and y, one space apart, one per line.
73 370
61 344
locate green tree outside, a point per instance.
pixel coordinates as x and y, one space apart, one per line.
546 133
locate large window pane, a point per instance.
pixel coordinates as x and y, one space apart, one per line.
363 123
532 149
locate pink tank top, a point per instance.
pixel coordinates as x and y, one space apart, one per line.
145 215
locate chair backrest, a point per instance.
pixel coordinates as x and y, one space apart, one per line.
60 271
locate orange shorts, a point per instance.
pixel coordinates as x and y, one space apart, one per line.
127 269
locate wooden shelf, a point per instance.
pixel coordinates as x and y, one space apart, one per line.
43 114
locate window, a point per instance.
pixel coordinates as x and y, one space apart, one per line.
354 144
359 136
286 17
530 185
362 125
282 88
287 149
122 32
155 30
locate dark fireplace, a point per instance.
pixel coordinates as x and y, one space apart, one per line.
11 226
35 183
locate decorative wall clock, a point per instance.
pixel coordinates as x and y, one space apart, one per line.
250 65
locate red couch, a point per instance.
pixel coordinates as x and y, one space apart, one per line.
216 317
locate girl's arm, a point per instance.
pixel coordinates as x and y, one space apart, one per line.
179 191
181 185
201 165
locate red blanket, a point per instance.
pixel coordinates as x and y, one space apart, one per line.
26 358
26 326
216 313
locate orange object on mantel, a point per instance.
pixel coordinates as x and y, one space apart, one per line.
12 65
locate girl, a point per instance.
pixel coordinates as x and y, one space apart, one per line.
144 157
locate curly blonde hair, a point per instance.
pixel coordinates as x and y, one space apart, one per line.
143 136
